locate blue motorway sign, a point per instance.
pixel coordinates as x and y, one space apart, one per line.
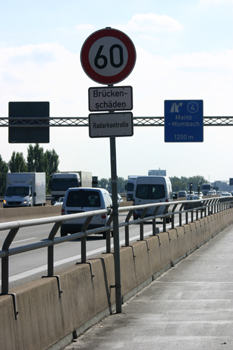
183 120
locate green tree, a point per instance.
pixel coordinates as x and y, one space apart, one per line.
176 184
121 184
183 183
40 161
17 163
107 184
103 183
35 158
3 171
197 180
51 162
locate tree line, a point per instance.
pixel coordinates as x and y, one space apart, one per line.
39 160
178 184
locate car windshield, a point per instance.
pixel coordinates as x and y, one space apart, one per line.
17 191
83 198
130 186
145 191
62 184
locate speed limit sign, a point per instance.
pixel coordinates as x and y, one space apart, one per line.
108 56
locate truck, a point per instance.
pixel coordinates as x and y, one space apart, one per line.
25 190
60 182
206 188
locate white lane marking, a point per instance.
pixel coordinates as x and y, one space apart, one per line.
61 262
64 261
23 240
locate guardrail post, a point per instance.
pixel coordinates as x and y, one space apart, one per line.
141 231
180 214
52 234
108 240
84 239
173 215
154 227
83 250
164 223
5 260
127 227
5 275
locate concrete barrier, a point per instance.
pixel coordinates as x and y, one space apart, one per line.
48 320
15 214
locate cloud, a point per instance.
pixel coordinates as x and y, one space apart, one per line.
155 78
153 23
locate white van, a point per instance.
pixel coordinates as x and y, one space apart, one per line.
82 199
152 189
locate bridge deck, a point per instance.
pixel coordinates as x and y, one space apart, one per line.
188 307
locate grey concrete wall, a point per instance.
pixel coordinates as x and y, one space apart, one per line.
49 321
15 214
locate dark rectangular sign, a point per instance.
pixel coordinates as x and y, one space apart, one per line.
31 111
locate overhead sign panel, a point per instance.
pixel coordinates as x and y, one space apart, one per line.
111 124
108 56
183 120
28 112
110 98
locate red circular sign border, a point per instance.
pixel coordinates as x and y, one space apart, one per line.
98 35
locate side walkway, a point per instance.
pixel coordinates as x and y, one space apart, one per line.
188 307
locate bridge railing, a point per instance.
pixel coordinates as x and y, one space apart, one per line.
189 209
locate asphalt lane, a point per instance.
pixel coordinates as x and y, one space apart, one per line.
190 307
32 265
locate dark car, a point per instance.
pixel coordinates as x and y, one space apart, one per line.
182 194
193 205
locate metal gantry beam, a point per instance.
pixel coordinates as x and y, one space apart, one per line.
83 121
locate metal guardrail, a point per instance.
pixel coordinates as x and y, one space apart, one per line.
199 208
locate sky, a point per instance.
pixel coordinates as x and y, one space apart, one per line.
184 52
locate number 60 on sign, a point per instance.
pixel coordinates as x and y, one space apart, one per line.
108 56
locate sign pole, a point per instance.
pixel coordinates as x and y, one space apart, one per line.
115 226
108 57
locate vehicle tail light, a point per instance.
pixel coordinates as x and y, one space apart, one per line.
167 200
103 216
63 212
133 201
